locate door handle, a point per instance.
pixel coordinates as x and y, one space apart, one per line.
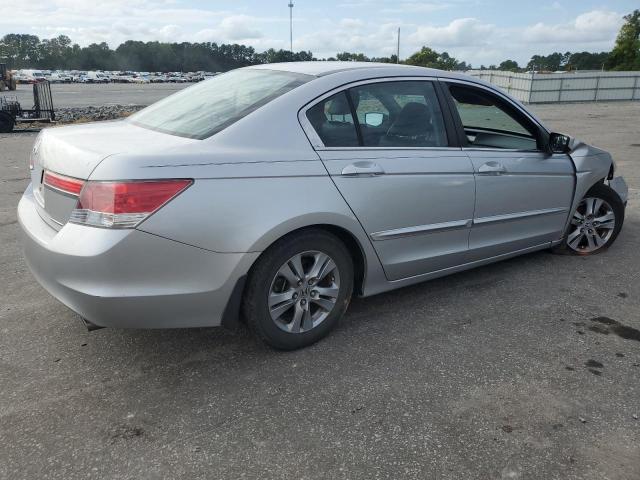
492 168
362 169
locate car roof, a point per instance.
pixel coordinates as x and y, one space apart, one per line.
322 68
354 71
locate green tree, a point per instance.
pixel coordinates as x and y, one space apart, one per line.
626 52
428 57
97 56
554 62
277 56
392 59
20 50
352 57
587 61
55 53
509 65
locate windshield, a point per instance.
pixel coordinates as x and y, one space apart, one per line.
211 106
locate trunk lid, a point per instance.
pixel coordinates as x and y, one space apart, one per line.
75 151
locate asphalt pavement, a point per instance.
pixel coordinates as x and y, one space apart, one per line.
525 369
83 95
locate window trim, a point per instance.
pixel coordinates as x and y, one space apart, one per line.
543 133
354 117
318 145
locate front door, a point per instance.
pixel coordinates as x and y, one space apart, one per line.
523 193
387 149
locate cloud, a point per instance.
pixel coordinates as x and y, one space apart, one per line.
460 32
330 37
238 27
367 26
590 27
351 23
416 7
395 6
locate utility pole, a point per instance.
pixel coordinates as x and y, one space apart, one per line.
398 49
291 26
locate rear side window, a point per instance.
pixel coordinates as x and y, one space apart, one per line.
211 106
489 122
333 122
387 114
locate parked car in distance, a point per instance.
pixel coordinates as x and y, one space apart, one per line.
60 77
102 77
96 77
30 76
274 193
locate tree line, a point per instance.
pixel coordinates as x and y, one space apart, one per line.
29 51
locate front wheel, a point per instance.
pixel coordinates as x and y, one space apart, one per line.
299 289
595 224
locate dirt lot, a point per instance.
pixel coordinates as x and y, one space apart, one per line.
511 371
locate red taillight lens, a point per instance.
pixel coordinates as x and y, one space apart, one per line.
69 185
123 204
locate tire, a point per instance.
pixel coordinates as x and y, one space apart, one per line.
6 122
311 310
606 203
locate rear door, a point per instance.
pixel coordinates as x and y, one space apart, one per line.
392 154
523 193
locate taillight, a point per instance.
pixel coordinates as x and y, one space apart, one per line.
65 184
123 204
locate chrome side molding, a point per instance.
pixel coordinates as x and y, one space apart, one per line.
421 229
459 224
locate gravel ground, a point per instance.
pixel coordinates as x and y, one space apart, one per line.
511 371
92 114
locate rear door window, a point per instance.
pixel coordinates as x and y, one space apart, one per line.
387 114
399 114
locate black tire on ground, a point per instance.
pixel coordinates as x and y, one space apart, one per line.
255 307
606 193
6 122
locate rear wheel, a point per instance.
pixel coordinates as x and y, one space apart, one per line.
299 289
6 122
595 224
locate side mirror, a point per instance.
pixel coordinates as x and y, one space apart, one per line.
559 143
373 119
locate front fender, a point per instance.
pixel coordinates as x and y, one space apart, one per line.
592 165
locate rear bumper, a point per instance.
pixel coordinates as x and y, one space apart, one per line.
129 278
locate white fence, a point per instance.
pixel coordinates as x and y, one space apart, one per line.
564 87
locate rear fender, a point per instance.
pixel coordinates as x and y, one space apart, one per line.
250 214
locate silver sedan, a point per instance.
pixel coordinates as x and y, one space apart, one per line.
274 193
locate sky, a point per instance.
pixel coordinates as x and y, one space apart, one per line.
476 31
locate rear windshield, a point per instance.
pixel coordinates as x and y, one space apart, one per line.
211 106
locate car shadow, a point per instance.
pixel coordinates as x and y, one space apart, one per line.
202 345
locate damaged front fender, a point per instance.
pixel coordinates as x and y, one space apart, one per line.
592 165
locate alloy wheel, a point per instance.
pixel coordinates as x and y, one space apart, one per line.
593 224
304 291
